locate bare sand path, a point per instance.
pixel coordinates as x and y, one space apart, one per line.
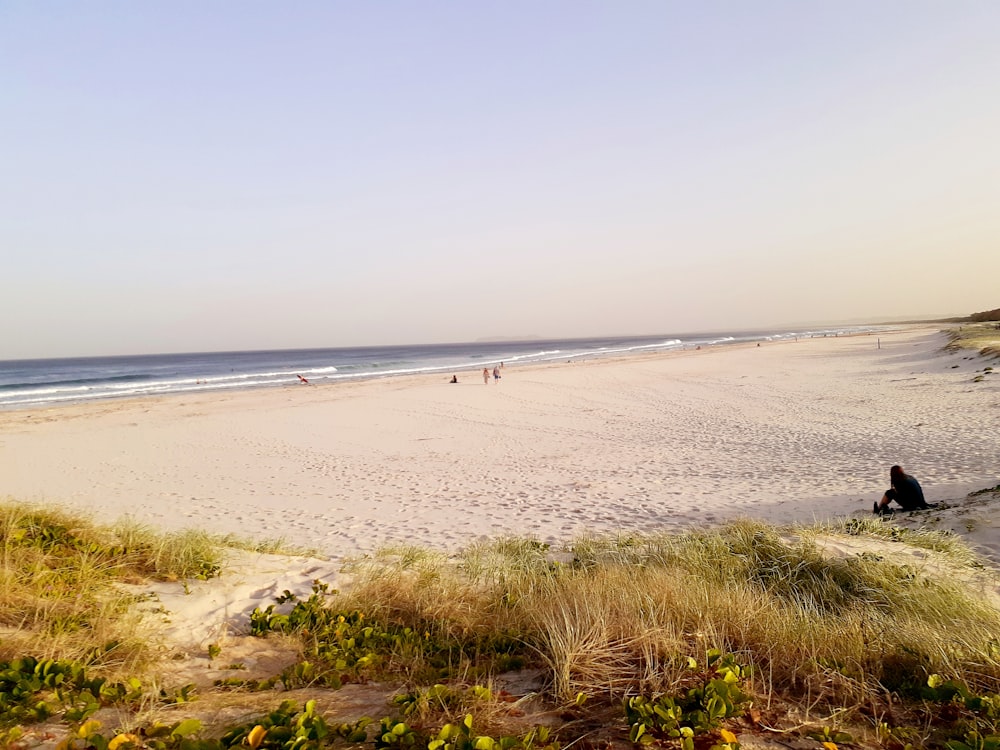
786 431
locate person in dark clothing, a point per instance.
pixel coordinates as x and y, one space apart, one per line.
905 490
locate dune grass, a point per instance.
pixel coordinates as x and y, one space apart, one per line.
58 572
981 337
621 615
825 617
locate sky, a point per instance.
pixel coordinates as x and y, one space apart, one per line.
191 176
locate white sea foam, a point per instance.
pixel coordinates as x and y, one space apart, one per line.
70 380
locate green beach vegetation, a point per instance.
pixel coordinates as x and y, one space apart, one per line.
981 337
59 574
712 637
57 596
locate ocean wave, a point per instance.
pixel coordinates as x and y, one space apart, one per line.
533 355
76 383
38 382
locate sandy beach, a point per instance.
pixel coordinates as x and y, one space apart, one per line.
794 431
787 431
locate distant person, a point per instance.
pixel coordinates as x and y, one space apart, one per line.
486 376
496 374
454 379
303 379
905 490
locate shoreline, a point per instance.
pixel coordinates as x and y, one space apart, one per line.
71 381
788 431
75 409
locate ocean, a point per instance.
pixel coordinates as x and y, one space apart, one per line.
42 382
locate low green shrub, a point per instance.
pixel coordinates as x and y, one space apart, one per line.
32 690
289 728
717 695
344 646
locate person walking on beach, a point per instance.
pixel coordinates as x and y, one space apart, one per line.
486 376
496 374
905 490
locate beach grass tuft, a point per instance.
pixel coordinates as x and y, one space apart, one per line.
59 583
983 337
172 556
56 590
620 615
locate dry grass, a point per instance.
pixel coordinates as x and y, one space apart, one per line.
58 597
620 615
981 337
607 617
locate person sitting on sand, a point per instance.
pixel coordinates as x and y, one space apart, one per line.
905 491
454 379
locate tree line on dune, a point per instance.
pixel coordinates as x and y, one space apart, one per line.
980 317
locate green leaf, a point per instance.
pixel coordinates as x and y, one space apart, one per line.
186 727
447 732
636 732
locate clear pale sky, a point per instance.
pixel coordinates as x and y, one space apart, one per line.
186 176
